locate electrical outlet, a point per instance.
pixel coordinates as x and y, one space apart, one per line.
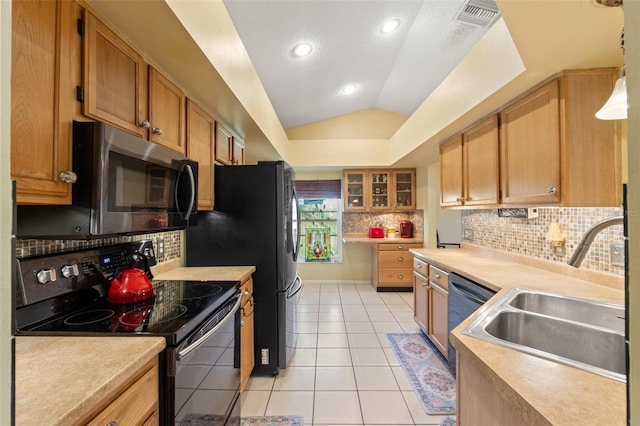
467 234
616 253
264 356
160 247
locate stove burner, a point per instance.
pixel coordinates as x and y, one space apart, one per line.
200 290
89 317
137 317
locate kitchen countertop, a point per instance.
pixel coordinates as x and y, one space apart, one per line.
364 239
545 392
208 273
60 380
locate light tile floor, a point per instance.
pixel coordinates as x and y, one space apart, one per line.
343 371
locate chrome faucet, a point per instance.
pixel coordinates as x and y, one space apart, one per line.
584 244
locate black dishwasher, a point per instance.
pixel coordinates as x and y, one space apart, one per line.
465 297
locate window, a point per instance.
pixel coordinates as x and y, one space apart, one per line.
320 227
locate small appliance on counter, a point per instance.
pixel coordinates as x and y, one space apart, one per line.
406 229
376 232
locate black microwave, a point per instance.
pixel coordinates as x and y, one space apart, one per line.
125 185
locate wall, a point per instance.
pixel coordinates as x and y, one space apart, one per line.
6 257
527 236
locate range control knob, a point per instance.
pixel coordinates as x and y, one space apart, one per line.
70 271
46 276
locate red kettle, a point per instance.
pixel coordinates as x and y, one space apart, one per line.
130 286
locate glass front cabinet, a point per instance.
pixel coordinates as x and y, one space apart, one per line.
354 190
379 189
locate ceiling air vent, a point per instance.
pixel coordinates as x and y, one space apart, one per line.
481 13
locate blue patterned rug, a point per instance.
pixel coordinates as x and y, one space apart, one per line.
447 421
196 419
427 371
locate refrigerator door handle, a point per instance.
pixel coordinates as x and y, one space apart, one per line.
294 288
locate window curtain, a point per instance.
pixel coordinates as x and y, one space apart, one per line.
319 189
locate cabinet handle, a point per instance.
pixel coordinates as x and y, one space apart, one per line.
425 285
241 323
437 275
144 124
157 131
551 190
400 276
400 247
419 266
400 258
68 177
461 199
112 423
246 291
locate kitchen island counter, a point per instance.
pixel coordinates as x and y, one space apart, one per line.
67 379
542 391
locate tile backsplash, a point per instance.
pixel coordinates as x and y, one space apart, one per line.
167 245
359 222
527 236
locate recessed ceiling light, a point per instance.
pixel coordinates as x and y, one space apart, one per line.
390 26
302 49
349 88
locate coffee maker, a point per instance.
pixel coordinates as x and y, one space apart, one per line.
406 229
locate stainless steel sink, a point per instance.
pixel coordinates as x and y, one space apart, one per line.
581 333
584 311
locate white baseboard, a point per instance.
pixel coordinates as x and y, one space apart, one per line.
332 282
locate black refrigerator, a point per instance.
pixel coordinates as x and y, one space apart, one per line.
255 222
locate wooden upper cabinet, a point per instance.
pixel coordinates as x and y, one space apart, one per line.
404 189
481 170
238 151
45 69
166 112
530 148
200 139
121 89
355 189
451 174
379 190
224 145
592 148
115 79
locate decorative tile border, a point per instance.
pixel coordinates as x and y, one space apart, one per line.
172 241
527 236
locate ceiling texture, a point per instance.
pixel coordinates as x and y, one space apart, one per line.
393 71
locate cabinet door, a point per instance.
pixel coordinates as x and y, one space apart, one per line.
200 137
404 189
224 149
451 176
420 301
439 318
354 189
379 190
247 327
481 168
166 112
115 79
45 68
530 148
238 151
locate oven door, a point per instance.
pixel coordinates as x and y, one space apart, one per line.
202 381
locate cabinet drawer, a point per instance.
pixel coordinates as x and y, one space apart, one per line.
421 267
439 277
395 259
396 276
135 405
398 246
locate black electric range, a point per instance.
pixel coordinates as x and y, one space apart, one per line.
66 294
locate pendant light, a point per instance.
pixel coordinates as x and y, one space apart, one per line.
616 106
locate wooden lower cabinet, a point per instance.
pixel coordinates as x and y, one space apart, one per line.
136 404
247 327
478 400
393 266
431 303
